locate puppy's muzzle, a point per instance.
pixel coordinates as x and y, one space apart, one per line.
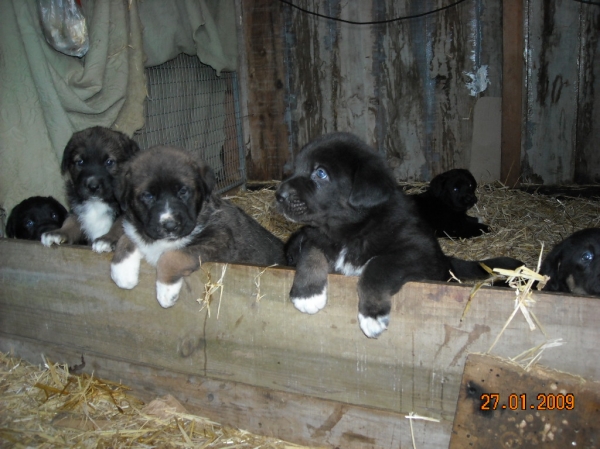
288 200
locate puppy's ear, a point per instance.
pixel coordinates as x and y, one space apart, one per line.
372 185
437 185
130 146
67 155
11 224
123 189
551 267
207 175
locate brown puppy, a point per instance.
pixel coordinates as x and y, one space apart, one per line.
173 220
92 161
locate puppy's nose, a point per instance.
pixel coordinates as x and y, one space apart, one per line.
93 185
170 225
283 193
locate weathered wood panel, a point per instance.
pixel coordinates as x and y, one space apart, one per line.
61 301
561 59
587 156
265 78
402 86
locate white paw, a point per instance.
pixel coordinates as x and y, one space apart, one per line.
372 327
50 238
167 294
101 246
127 272
312 304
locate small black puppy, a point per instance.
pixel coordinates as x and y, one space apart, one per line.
445 204
358 223
35 215
92 161
574 264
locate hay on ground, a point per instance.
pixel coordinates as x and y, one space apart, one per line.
520 222
47 407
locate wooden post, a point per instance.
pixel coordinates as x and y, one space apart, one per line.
262 26
512 91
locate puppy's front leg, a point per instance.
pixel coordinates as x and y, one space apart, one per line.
125 265
69 233
309 289
108 242
382 277
171 268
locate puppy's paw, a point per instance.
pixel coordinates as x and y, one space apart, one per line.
53 238
373 327
102 245
167 294
312 304
126 272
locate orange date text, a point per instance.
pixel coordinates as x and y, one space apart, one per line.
543 401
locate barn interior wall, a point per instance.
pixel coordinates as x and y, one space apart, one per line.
412 88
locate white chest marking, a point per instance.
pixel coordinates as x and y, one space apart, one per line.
96 218
153 251
345 268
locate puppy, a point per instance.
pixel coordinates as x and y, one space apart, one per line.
445 203
574 264
33 216
173 220
92 161
358 223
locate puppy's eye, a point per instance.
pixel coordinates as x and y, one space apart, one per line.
587 257
455 189
320 173
110 162
79 162
184 192
29 223
147 197
54 216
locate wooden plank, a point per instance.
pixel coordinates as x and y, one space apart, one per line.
63 298
296 418
587 156
552 67
503 405
262 27
512 91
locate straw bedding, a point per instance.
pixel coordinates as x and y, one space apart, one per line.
520 222
46 407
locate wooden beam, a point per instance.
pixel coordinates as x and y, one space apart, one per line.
512 91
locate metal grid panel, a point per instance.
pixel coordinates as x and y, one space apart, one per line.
189 106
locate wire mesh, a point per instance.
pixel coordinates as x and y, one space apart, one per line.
189 106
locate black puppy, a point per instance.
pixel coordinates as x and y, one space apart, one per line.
33 216
445 203
574 264
359 223
92 161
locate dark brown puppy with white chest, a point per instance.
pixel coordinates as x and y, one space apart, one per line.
359 223
92 161
173 220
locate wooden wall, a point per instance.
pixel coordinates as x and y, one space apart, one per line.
403 85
